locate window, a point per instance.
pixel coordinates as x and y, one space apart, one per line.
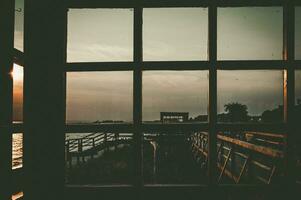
99 158
175 91
99 97
17 116
250 33
156 93
250 96
19 24
18 93
171 34
100 35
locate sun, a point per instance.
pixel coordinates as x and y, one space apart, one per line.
17 72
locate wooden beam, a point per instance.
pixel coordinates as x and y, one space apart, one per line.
44 137
6 95
260 149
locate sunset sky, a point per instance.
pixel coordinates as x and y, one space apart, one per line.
171 34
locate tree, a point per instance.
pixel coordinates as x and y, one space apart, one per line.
275 115
236 112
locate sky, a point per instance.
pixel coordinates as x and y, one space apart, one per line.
179 34
19 24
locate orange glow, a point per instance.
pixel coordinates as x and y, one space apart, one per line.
17 196
17 73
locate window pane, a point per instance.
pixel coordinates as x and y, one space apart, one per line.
298 33
250 33
251 157
99 97
176 96
17 93
17 150
174 157
250 96
99 158
19 24
100 35
175 34
17 164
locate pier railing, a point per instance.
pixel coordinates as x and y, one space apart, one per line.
245 157
91 144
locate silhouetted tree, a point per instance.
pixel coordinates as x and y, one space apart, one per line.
275 115
236 112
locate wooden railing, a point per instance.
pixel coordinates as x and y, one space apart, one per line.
248 157
91 144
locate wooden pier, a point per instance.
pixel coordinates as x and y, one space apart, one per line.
244 157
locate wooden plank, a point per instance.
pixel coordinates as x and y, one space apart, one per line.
260 149
225 165
243 169
261 165
282 136
227 173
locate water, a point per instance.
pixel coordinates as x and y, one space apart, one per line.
17 154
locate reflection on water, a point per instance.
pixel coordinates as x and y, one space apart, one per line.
17 150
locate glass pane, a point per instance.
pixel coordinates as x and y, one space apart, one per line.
19 24
251 157
99 97
250 96
175 34
100 35
250 33
174 157
175 96
17 93
17 151
99 158
298 33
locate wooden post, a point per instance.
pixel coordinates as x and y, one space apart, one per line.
67 152
80 145
233 160
106 142
6 95
44 120
116 140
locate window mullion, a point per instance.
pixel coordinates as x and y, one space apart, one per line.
212 164
137 101
289 86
